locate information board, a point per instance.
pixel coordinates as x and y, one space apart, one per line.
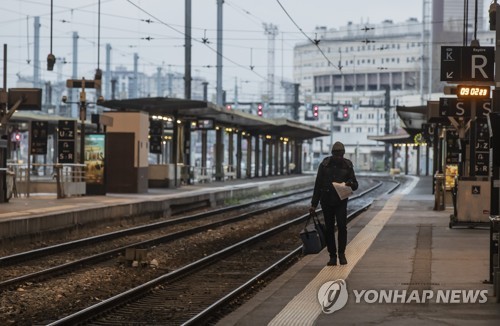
38 137
482 149
66 137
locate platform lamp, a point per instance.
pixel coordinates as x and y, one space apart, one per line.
82 84
51 58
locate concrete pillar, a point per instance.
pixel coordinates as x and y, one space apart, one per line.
281 153
187 153
287 155
296 156
393 162
270 159
238 154
257 155
406 160
230 161
219 154
264 158
427 159
418 160
204 152
249 156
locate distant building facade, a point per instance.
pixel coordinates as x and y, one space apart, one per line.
352 66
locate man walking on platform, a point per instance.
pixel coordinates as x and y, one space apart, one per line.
334 169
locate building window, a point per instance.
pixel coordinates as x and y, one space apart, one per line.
347 129
359 130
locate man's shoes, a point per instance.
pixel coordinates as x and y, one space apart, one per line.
342 259
332 261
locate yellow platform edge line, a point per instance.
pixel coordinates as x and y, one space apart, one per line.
304 308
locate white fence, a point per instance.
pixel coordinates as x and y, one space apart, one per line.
64 179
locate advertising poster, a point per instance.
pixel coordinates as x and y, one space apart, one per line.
94 158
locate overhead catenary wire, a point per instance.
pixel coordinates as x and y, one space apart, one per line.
28 38
98 33
244 35
51 22
125 17
194 39
315 41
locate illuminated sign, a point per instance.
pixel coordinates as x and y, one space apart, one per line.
205 124
468 91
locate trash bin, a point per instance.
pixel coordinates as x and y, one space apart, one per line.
439 192
454 191
494 255
11 182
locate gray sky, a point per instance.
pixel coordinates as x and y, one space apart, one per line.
124 26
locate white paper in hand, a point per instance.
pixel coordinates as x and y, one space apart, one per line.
343 190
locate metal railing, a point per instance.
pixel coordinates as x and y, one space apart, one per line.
63 179
203 174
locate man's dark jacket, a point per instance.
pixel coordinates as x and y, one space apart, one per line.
332 169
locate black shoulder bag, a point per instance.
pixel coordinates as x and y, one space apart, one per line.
313 235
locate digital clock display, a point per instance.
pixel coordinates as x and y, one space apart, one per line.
473 91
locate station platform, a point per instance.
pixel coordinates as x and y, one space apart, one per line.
25 217
405 267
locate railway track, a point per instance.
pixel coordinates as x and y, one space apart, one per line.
68 256
196 291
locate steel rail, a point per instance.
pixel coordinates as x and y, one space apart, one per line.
224 301
141 290
41 252
60 269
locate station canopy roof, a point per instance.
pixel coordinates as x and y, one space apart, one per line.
23 115
195 109
412 117
401 137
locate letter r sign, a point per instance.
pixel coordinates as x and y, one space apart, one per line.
479 63
467 64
